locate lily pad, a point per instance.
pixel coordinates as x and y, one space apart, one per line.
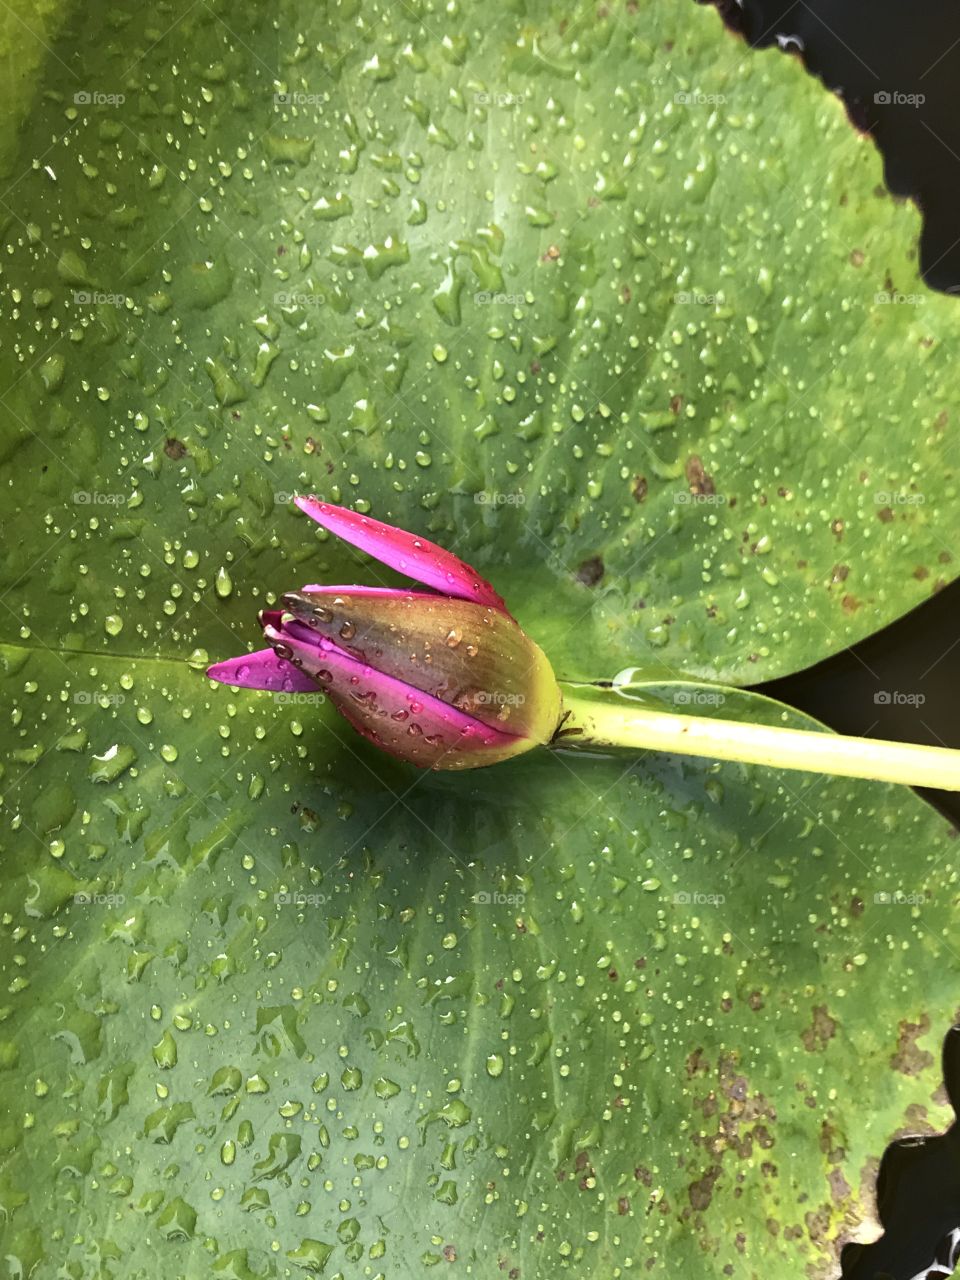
596 1015
597 300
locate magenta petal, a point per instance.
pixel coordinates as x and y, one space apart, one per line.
405 552
261 670
414 726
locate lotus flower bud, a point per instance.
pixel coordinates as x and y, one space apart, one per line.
444 679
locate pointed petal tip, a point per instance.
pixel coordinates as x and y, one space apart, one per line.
406 552
261 670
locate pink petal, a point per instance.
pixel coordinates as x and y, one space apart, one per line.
411 725
406 552
262 670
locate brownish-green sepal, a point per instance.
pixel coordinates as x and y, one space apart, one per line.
470 655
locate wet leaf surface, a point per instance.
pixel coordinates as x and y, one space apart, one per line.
267 988
576 298
275 1004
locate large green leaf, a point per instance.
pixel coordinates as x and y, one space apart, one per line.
595 1015
202 1077
328 259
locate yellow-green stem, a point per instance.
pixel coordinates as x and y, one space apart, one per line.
596 724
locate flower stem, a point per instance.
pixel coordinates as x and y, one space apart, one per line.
593 723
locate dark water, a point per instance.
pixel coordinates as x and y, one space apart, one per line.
897 69
902 683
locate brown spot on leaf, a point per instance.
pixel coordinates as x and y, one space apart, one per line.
831 1148
701 1191
696 1063
697 478
840 573
850 604
857 257
175 448
908 1059
590 571
818 1224
839 1186
836 528
821 1030
885 515
639 488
